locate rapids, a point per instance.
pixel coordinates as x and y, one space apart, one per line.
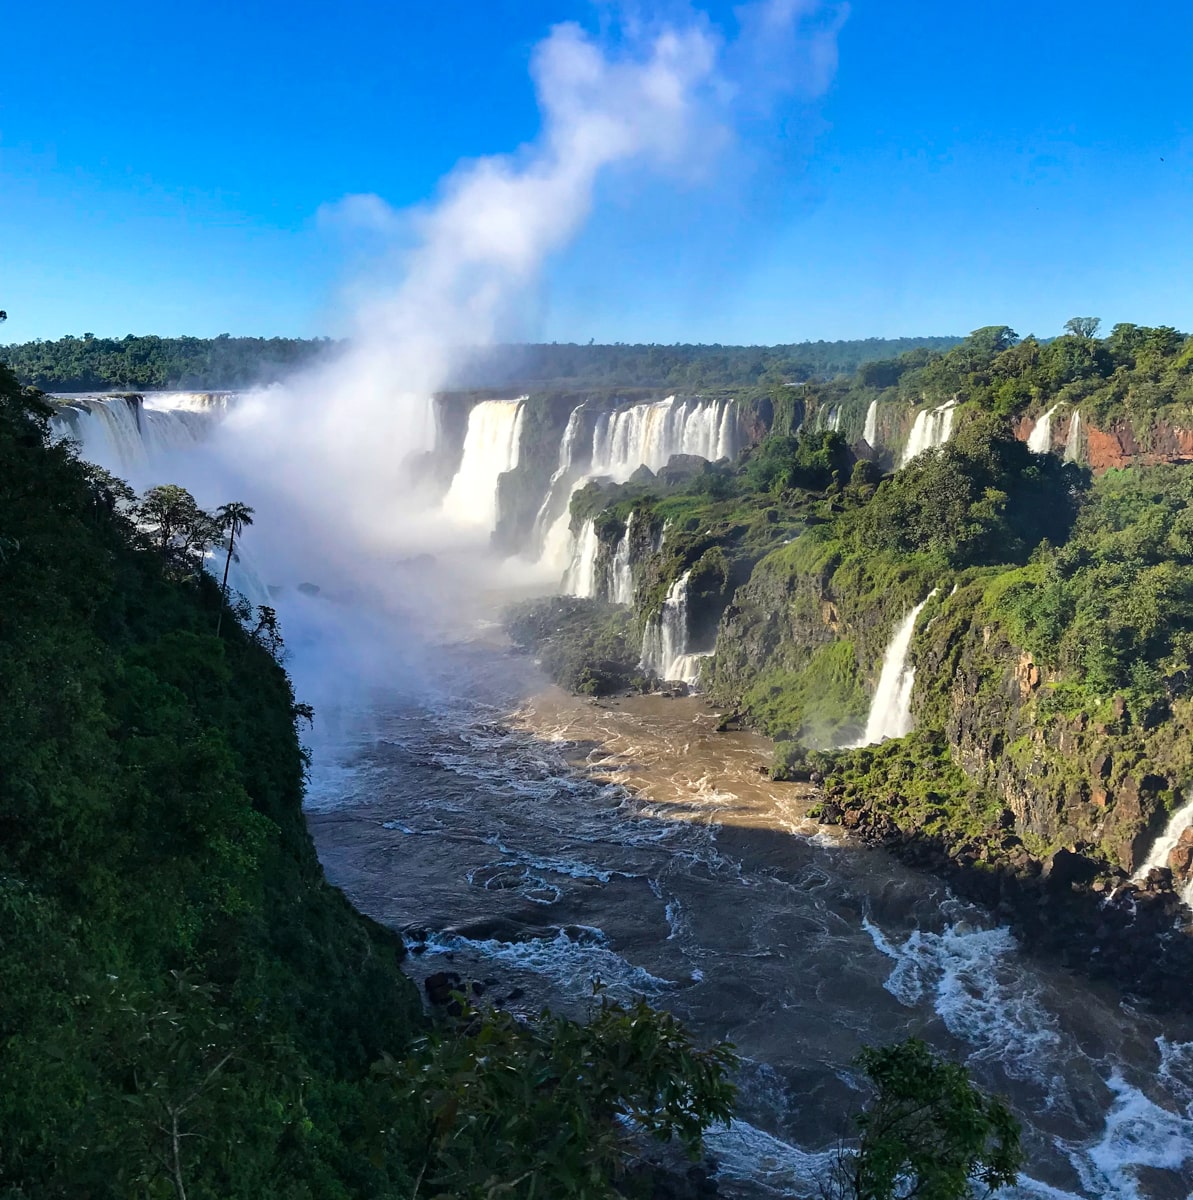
540 841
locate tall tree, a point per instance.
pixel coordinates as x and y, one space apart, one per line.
1083 327
233 518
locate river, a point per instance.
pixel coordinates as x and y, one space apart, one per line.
541 841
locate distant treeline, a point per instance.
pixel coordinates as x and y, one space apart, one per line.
86 364
73 364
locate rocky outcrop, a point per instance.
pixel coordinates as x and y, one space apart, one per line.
1122 443
1105 782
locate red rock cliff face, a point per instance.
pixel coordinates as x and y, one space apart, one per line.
1118 446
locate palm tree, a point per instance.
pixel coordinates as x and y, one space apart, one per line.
231 518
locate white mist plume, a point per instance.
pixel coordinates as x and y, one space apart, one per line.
660 95
323 457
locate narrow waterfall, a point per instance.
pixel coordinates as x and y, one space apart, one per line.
870 433
1073 441
580 577
1040 439
665 639
621 574
1178 823
890 710
932 427
491 445
559 490
622 441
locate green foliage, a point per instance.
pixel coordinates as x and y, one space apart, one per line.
822 704
1113 607
169 952
518 1109
73 364
928 1132
981 498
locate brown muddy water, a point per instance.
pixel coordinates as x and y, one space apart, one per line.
542 842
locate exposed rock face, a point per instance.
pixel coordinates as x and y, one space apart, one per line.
1067 778
1124 445
1180 857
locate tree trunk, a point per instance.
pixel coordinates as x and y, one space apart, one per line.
224 585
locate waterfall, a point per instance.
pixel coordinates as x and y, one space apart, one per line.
559 496
932 427
621 574
890 710
622 441
580 577
870 433
123 434
649 434
665 639
1180 820
491 445
1073 441
1040 439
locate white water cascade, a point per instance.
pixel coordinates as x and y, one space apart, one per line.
621 574
1039 441
1180 820
890 710
491 446
870 432
559 494
580 577
665 640
124 434
643 435
932 427
1073 441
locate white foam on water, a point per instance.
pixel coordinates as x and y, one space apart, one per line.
743 1151
571 966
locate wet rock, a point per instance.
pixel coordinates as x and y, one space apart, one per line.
1180 858
1065 868
440 986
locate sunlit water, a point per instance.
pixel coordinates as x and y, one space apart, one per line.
544 841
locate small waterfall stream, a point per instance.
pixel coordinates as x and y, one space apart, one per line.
580 577
491 447
665 639
1040 439
932 427
1073 441
870 432
890 710
1178 823
621 574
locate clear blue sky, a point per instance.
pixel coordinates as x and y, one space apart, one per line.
161 167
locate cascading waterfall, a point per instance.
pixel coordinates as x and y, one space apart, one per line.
123 434
559 492
621 574
665 639
870 432
932 427
624 440
1073 441
649 434
890 710
491 447
580 577
1178 823
1040 439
